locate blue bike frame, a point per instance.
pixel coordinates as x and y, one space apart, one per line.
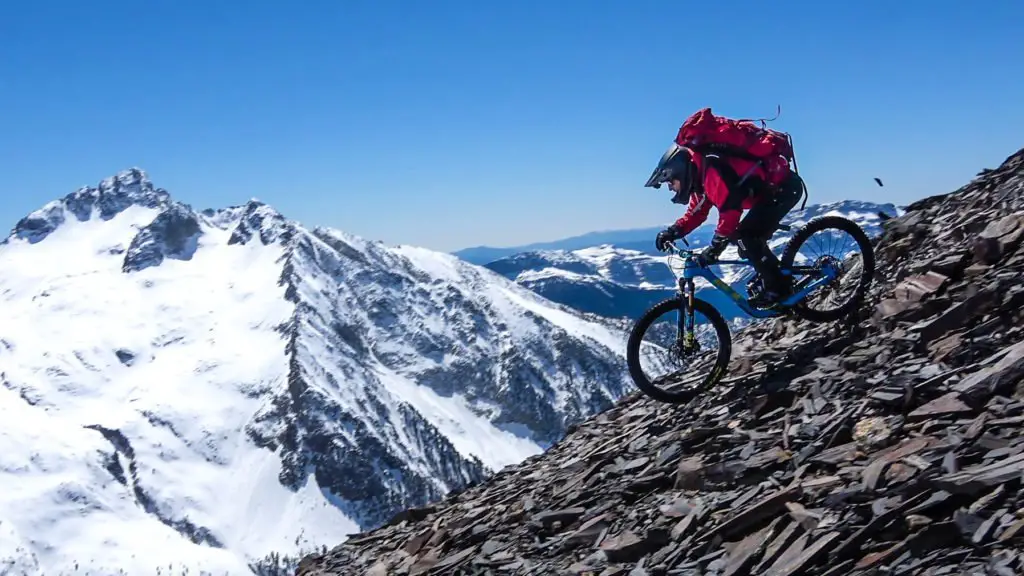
691 270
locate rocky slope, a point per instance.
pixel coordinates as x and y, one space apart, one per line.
890 443
186 390
617 281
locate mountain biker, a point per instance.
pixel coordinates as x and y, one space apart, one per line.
702 180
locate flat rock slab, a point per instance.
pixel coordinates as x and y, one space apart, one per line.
946 405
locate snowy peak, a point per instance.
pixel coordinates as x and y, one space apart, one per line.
260 220
130 187
174 230
109 198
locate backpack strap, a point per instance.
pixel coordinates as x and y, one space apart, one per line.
764 121
725 150
739 187
729 176
796 171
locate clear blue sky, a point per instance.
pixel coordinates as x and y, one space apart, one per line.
447 124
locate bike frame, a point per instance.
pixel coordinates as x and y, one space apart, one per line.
692 270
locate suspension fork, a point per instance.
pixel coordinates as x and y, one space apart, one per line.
685 322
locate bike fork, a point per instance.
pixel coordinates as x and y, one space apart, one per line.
685 322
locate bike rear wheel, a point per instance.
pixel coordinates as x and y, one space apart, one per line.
701 371
861 266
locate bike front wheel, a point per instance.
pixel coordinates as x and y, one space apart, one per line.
656 344
839 242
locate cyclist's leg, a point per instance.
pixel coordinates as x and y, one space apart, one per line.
763 219
765 263
757 228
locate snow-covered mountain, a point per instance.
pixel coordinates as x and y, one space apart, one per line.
186 389
617 281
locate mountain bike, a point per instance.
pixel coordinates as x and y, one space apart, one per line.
681 340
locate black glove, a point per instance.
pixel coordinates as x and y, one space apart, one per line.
710 255
665 237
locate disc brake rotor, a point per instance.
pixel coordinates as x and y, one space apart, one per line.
686 346
829 261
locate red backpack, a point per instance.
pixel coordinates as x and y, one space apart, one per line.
704 132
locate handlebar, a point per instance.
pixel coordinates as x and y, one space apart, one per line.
672 248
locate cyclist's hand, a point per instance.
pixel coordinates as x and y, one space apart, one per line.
709 255
665 238
705 260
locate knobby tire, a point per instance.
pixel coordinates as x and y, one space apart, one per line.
636 338
846 225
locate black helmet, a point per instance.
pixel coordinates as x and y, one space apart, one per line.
675 164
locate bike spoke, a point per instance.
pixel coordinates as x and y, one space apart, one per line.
839 250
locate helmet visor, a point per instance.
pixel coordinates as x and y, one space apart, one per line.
662 172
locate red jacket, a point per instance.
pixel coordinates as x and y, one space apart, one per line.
716 193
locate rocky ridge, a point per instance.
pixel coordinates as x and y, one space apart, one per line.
109 198
888 443
174 233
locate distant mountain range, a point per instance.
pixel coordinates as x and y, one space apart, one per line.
630 239
625 274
